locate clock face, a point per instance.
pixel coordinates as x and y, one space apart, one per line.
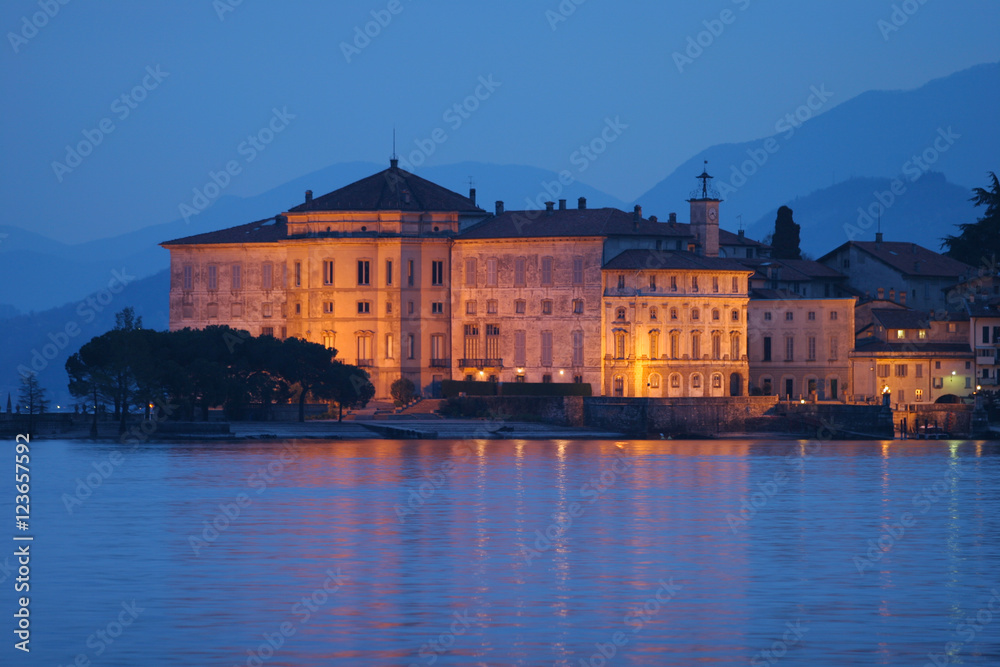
712 214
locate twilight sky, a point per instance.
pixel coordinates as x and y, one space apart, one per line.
199 78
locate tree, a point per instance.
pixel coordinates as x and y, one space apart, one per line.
979 242
350 387
32 397
402 391
785 243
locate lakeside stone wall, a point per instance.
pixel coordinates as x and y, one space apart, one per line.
703 416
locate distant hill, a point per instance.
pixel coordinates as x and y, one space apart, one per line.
924 213
61 272
874 135
39 340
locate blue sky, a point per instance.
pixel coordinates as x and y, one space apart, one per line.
558 71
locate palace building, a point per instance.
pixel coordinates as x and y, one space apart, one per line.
408 279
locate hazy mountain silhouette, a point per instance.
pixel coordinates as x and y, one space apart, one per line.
873 135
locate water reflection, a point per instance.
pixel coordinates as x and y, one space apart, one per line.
517 552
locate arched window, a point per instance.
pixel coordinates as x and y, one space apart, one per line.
619 385
620 314
696 381
620 344
654 344
695 314
675 381
696 345
735 351
716 345
654 381
653 313
716 381
675 345
715 314
673 313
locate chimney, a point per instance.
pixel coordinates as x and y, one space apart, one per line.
309 196
653 218
878 237
549 207
581 203
472 195
499 206
636 214
742 234
672 219
562 204
902 297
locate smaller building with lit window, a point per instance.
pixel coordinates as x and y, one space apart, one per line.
916 358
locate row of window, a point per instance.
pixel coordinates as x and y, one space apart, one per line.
366 352
621 314
790 315
472 345
546 272
695 285
674 349
811 348
695 381
364 274
520 307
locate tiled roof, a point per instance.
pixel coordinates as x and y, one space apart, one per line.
909 258
659 259
570 222
728 238
796 270
898 318
392 189
262 231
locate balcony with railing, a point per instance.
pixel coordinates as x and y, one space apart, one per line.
440 363
480 363
365 363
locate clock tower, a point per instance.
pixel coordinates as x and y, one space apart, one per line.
704 203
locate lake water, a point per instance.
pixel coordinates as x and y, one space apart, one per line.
512 552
